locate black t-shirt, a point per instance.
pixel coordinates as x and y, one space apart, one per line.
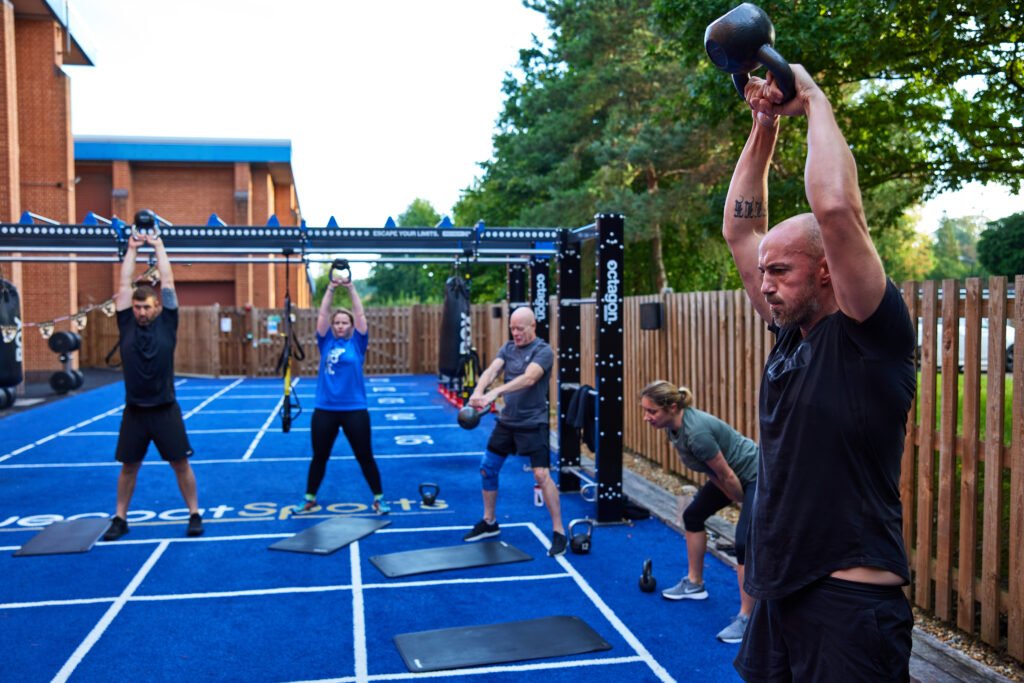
147 357
833 411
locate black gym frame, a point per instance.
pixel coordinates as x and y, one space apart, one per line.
608 352
519 248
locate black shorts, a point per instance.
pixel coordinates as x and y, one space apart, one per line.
529 441
161 425
833 631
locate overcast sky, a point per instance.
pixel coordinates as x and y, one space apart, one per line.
384 101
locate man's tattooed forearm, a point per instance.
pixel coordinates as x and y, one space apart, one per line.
748 208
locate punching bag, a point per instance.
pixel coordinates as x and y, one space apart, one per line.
456 338
10 344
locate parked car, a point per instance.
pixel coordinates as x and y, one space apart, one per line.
963 334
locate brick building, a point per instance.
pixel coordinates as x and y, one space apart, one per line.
187 181
43 170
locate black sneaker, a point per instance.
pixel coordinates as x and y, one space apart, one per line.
118 528
195 525
558 543
482 529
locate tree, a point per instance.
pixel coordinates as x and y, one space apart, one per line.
1001 246
399 284
594 126
925 91
955 248
623 112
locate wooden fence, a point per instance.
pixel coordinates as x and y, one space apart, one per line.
959 520
218 341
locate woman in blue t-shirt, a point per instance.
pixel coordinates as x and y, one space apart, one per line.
342 338
706 444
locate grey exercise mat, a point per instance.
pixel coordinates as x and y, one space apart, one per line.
334 534
69 536
514 641
463 556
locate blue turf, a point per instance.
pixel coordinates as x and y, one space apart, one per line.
223 607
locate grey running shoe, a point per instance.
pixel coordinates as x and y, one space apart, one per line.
685 590
482 529
733 633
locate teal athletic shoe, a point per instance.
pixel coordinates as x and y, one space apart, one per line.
380 506
307 505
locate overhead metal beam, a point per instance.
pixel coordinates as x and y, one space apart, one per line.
278 240
189 260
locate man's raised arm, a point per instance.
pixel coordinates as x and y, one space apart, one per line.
745 220
123 298
830 179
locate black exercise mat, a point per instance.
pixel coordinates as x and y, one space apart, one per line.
514 641
463 556
69 536
334 534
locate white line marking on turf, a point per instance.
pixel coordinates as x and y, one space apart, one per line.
230 461
266 425
240 411
63 432
508 668
358 616
453 582
250 397
97 631
211 399
284 590
608 613
260 430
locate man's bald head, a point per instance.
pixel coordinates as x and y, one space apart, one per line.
523 326
797 235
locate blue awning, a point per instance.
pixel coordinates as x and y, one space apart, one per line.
109 148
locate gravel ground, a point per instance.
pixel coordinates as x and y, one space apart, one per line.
965 643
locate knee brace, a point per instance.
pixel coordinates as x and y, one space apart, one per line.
490 466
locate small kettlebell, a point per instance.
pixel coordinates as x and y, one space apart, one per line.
469 417
743 39
579 542
429 492
647 581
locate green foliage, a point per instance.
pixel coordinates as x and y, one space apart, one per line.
905 252
1001 246
624 112
402 284
923 90
955 248
364 288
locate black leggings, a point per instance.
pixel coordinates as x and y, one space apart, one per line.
324 431
709 500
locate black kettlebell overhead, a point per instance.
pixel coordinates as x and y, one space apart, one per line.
146 222
647 581
743 39
579 541
340 264
469 417
429 492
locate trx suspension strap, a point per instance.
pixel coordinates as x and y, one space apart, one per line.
284 363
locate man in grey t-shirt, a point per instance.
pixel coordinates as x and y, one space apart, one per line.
522 425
